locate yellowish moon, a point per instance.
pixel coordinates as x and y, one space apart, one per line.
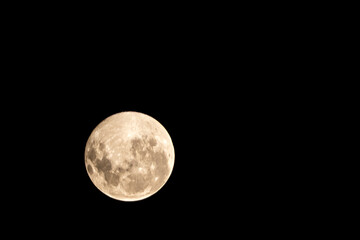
129 156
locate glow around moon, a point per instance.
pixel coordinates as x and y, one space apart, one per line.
129 156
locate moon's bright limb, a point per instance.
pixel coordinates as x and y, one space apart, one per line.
129 156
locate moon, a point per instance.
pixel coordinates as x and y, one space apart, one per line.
129 156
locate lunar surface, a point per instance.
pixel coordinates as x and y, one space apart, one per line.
129 156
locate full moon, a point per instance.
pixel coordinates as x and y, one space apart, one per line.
129 156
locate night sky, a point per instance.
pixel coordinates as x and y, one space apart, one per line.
227 104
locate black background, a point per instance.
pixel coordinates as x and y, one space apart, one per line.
227 95
222 134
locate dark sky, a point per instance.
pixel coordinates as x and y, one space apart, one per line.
220 173
228 110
